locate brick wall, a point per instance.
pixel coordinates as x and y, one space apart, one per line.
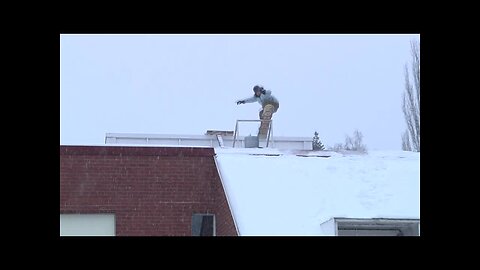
153 191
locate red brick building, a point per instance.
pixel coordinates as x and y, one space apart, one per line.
150 191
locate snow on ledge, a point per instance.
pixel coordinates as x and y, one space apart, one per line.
273 192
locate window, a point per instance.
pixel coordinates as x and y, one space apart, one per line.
203 225
369 232
372 227
87 224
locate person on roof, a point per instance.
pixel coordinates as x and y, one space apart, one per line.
262 96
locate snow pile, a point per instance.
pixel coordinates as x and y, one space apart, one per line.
278 193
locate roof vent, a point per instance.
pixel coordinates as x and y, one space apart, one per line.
251 142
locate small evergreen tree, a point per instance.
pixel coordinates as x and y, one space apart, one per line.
317 144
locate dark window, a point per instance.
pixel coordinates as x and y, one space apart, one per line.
203 225
369 232
377 227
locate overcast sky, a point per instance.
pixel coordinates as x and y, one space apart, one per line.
188 84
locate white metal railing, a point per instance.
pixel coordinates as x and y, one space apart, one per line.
268 133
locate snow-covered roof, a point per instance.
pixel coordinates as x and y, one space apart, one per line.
273 192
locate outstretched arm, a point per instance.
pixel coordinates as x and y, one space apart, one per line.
248 100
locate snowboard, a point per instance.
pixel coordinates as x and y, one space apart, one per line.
265 125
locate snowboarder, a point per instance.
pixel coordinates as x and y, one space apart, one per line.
264 97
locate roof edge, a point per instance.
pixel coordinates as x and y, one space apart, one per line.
136 151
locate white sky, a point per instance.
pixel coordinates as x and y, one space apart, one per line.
187 84
291 195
